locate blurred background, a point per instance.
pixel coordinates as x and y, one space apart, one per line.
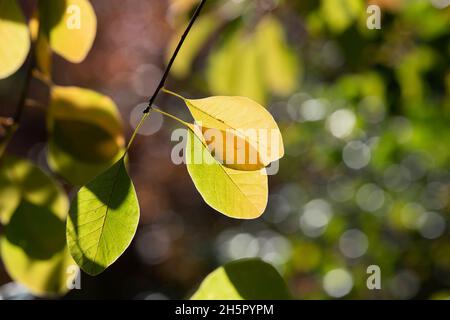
365 118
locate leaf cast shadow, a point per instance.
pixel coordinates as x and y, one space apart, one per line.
37 230
256 280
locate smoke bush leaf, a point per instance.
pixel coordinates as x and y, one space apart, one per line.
237 194
70 26
247 121
85 133
33 247
20 180
247 279
103 219
14 38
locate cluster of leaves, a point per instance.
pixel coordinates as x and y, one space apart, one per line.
34 206
393 84
86 148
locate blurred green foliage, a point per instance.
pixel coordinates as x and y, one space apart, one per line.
364 116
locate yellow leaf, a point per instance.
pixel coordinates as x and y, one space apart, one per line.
250 128
33 247
14 38
71 26
86 133
236 194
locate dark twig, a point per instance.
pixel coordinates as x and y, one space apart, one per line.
28 77
174 56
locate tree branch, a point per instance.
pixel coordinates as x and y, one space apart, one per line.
28 77
174 56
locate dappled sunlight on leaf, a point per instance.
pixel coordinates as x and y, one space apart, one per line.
248 279
14 38
103 219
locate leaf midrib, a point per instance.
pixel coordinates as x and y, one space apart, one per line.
106 213
227 175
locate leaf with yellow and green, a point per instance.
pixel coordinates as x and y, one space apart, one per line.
246 279
20 180
279 62
14 38
234 193
199 34
103 219
85 133
33 246
246 121
70 26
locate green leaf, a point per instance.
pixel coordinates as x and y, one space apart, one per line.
247 279
279 62
103 219
70 26
85 133
20 180
43 51
14 38
237 194
33 247
340 14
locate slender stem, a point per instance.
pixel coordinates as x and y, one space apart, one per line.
171 116
174 56
173 93
141 122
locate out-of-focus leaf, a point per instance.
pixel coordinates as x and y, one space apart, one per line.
340 14
70 25
200 32
427 21
237 194
33 247
409 74
235 69
280 63
14 38
86 133
43 52
248 279
103 219
244 119
23 181
7 130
